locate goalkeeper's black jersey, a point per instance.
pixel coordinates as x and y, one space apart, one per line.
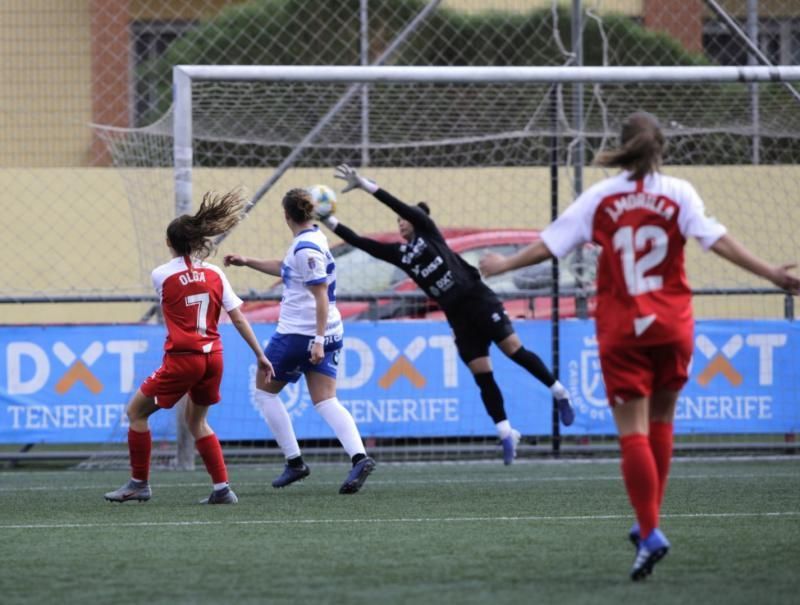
427 259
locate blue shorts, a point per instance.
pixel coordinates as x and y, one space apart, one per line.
290 356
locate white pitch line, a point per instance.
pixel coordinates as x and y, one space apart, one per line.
394 520
467 481
470 480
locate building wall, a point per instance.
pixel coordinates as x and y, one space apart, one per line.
45 70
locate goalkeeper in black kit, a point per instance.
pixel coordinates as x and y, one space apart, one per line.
473 310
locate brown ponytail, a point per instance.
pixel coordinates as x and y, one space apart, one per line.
218 213
641 146
298 205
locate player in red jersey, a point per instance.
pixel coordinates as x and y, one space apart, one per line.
642 219
192 293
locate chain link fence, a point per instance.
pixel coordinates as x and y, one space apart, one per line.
85 160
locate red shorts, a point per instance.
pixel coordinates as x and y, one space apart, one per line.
630 372
198 374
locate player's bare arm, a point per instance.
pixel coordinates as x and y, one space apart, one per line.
735 252
320 293
246 331
268 266
494 264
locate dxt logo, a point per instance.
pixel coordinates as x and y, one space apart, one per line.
403 363
721 357
28 365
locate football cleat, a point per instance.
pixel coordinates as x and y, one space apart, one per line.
291 474
509 444
634 537
221 496
357 475
565 411
651 550
132 490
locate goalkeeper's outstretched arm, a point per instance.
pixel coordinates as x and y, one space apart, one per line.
380 250
414 215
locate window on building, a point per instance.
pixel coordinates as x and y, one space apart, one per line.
150 39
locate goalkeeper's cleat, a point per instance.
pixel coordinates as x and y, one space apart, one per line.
651 550
291 474
634 536
509 444
357 475
221 496
565 411
132 490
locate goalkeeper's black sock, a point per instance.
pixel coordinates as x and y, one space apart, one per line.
491 396
533 363
296 462
358 458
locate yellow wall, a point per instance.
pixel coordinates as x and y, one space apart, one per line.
46 76
98 232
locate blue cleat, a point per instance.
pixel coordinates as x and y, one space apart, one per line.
357 475
634 537
651 550
132 490
565 411
509 444
291 474
221 496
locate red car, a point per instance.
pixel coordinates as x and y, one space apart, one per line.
368 288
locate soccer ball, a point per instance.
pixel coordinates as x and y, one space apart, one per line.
324 199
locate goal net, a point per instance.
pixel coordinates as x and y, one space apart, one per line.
495 152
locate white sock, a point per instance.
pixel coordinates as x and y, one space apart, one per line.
219 486
558 391
279 422
343 425
503 429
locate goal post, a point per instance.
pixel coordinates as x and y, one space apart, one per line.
491 149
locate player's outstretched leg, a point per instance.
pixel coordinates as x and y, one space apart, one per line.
132 490
510 443
651 550
295 470
357 475
223 495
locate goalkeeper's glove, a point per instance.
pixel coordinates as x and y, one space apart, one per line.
330 222
354 180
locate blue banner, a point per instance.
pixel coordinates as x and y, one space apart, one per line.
70 384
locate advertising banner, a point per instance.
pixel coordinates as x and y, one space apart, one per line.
70 384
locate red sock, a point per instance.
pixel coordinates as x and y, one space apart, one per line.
641 480
661 444
211 453
139 446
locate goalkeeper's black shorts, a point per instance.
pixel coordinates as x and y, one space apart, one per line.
477 322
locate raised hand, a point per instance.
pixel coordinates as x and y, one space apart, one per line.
353 179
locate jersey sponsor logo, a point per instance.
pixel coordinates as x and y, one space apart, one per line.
414 250
640 200
445 282
432 266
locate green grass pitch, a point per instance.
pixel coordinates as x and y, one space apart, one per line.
462 533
